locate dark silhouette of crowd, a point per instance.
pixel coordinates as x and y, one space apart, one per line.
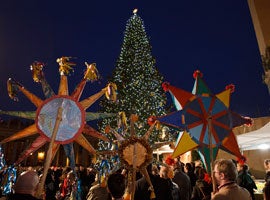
173 181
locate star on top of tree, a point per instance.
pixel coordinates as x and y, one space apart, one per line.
135 11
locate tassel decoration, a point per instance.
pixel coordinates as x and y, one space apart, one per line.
158 125
134 118
103 182
111 92
104 170
12 88
91 73
37 73
107 129
122 120
65 67
152 195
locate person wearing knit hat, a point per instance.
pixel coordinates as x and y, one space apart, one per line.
26 186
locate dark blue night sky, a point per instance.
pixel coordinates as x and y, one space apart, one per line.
216 37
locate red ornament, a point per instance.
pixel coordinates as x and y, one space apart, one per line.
169 160
249 121
207 178
165 86
151 120
242 160
197 73
231 87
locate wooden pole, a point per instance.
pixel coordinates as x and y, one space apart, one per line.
134 163
40 192
209 122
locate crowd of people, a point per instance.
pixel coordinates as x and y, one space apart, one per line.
174 181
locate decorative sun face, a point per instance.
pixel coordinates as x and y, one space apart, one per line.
73 115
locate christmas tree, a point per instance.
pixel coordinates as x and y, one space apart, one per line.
139 84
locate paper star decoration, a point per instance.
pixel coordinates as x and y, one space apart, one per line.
73 117
205 120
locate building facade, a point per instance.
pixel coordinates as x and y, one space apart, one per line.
12 150
260 14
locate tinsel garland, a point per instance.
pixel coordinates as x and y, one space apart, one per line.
10 177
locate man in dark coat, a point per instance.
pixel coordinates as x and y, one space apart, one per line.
161 186
245 180
182 180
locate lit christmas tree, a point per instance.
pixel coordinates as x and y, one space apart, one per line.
139 84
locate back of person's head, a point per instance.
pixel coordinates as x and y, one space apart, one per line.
179 166
267 161
228 168
198 163
27 183
116 185
245 167
71 176
155 170
166 172
201 173
189 167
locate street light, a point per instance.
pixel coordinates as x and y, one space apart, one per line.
41 156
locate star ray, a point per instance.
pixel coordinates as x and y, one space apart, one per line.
94 133
28 131
81 140
36 144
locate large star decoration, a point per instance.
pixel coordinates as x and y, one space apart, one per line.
73 117
205 120
135 153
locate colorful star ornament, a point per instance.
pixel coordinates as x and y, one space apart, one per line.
134 153
74 117
205 120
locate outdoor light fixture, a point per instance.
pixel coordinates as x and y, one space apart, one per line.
41 155
264 146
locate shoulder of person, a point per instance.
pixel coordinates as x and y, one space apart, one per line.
243 189
219 196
